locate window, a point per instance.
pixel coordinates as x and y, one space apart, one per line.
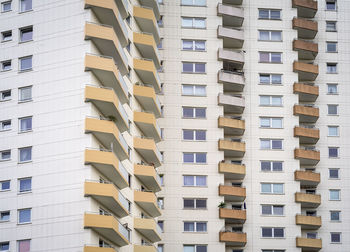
195 157
188 112
193 22
335 237
6 65
24 246
193 67
194 135
5 216
195 203
270 57
194 226
25 124
193 45
194 90
26 5
331 5
160 22
332 46
333 152
25 154
335 215
332 68
332 109
160 45
26 34
272 250
160 246
6 6
24 216
6 36
333 173
271 122
334 194
272 210
5 95
4 185
161 178
25 185
271 144
332 88
270 35
331 26
160 202
4 246
333 131
5 125
5 155
270 78
272 188
194 2
161 225
269 14
270 100
268 166
275 232
25 94
199 180
26 63
311 235
195 248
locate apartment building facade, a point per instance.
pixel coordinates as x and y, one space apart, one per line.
183 125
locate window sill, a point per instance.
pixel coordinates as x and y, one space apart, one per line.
332 93
25 223
271 215
193 28
192 73
25 70
331 73
261 40
334 178
274 238
25 131
2 221
332 136
5 100
272 193
27 41
331 31
332 115
6 190
271 150
274 19
5 130
195 186
272 171
271 84
269 128
184 140
7 70
193 118
3 160
21 12
6 11
192 5
194 95
20 193
195 163
334 157
195 232
5 41
334 200
271 106
24 101
184 50
25 162
265 62
194 208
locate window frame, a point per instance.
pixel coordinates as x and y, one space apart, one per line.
1 185
20 99
270 79
195 226
5 159
333 148
273 233
195 246
193 4
194 41
195 158
340 237
194 112
20 124
271 162
194 88
269 14
333 127
332 85
272 210
329 43
2 129
30 216
4 243
271 188
19 154
3 4
339 215
331 22
19 185
270 35
2 95
270 122
193 19
194 135
20 69
6 62
8 212
329 2
333 169
195 207
334 190
3 36
270 57
271 140
271 100
195 180
25 240
194 67
20 6
335 106
332 65
23 29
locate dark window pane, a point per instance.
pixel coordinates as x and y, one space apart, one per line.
266 209
201 203
263 14
201 248
200 135
188 203
266 166
200 113
335 237
277 166
333 152
334 173
276 144
267 232
278 210
187 67
201 158
189 226
188 157
188 134
5 185
335 216
201 226
188 112
200 68
275 14
278 232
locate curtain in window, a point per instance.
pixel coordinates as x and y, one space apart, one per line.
264 57
25 154
24 246
200 135
187 89
189 249
200 68
278 188
188 180
200 45
266 166
265 188
189 226
201 158
26 124
25 94
188 158
265 144
25 185
26 5
187 44
200 90
201 180
201 227
264 35
200 113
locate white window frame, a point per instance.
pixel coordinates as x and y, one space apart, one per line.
331 65
193 3
20 121
20 63
270 35
194 89
271 119
6 159
20 89
272 188
335 190
270 144
5 243
272 210
335 5
2 94
195 246
331 22
21 30
193 19
270 79
332 85
2 125
194 41
270 57
18 241
19 185
3 4
335 105
19 154
333 127
270 100
6 62
194 113
338 154
194 67
9 214
330 215
340 237
194 134
18 213
269 17
273 236
5 181
195 180
271 165
194 157
195 226
331 43
20 6
3 38
332 169
195 203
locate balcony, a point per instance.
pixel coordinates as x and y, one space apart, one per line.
307 114
147 123
232 126
108 13
145 248
148 228
306 29
233 81
308 244
306 50
108 165
148 99
232 171
109 196
106 71
148 176
232 38
308 200
232 215
98 249
306 8
108 134
231 16
308 222
108 227
307 157
307 135
306 72
307 178
232 148
147 21
236 58
106 101
307 93
233 238
232 104
232 193
107 42
147 148
147 46
148 202
152 4
147 72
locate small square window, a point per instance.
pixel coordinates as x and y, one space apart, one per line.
332 68
25 185
333 130
5 95
6 65
24 216
332 88
25 94
334 194
6 36
4 185
25 154
331 26
332 109
26 63
26 34
25 124
336 237
335 215
5 155
334 173
6 6
4 216
332 46
4 246
331 5
5 125
26 5
333 152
